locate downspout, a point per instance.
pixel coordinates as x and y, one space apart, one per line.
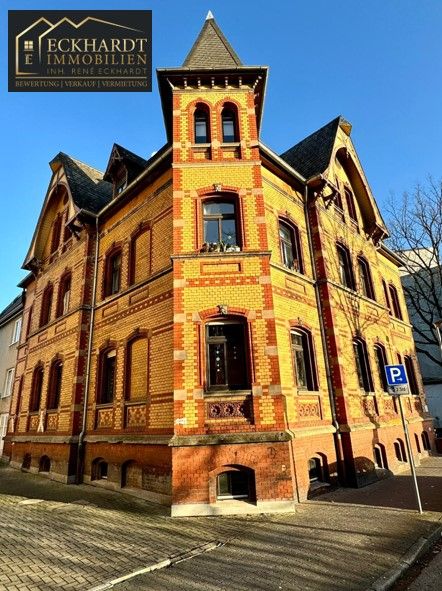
330 388
88 359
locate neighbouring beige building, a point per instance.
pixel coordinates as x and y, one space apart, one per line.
10 327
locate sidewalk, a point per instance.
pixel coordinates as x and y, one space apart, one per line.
81 538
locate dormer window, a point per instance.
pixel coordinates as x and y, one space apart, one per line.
120 182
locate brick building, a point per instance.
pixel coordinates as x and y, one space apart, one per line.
210 326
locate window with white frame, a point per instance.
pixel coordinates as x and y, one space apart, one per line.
16 332
7 391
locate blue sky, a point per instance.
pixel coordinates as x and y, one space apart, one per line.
378 63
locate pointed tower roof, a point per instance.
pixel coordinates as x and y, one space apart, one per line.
211 49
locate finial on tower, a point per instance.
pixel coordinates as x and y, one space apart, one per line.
209 16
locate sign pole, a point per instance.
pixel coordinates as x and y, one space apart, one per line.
410 455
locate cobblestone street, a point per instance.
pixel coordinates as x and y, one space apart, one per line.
78 537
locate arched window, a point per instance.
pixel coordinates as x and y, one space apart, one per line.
290 246
351 205
201 125
219 219
399 450
29 322
56 233
426 441
137 368
106 383
229 118
67 231
380 457
112 275
417 442
345 269
235 484
362 365
46 305
55 382
140 256
365 282
381 362
131 475
226 355
314 470
64 295
44 464
386 296
303 359
394 299
36 389
99 469
411 374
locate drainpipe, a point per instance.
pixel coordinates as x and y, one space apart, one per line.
336 434
88 359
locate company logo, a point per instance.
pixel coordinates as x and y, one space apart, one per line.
79 50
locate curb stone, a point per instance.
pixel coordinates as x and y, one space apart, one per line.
385 581
188 554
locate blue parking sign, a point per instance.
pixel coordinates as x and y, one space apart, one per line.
396 375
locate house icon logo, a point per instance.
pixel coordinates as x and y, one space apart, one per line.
80 50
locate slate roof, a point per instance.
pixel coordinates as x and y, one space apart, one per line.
128 155
211 49
124 154
311 156
89 190
11 310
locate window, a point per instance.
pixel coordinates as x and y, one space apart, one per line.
29 323
233 485
226 356
303 360
201 125
219 218
426 441
381 362
120 181
380 457
140 257
395 302
67 231
56 233
362 365
136 369
351 205
229 124
9 380
411 374
344 267
64 295
387 298
99 469
29 46
314 470
417 443
290 247
36 389
44 464
46 305
16 332
365 283
107 380
112 281
338 198
55 382
399 450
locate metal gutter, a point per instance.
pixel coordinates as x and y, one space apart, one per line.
88 357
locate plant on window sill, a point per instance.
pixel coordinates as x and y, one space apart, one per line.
219 247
